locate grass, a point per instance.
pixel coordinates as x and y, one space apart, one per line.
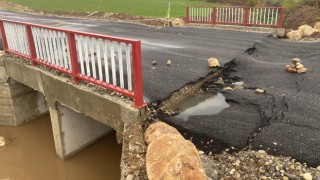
150 8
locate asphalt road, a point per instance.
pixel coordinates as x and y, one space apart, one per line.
284 121
187 48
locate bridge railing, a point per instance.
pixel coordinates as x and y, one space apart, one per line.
109 62
236 15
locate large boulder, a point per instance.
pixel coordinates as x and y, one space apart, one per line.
317 26
307 31
158 129
294 35
170 156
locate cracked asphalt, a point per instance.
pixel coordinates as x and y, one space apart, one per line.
284 121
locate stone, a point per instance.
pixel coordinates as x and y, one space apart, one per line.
307 31
279 33
292 167
307 176
177 22
2 53
260 91
303 70
130 177
172 157
3 141
213 62
169 62
262 152
154 63
296 60
238 88
237 175
220 81
158 129
300 66
294 35
318 168
293 65
291 69
317 26
227 88
261 170
285 178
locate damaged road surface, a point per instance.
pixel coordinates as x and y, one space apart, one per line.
283 121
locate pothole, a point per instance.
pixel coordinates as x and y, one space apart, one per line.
200 104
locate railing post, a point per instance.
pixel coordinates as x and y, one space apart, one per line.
137 75
33 54
187 15
281 17
214 15
4 37
73 57
246 16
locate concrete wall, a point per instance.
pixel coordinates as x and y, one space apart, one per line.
19 103
74 131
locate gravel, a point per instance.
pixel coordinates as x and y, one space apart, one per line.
249 164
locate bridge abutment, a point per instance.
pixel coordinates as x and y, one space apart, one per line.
19 103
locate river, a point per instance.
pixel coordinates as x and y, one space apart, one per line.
31 156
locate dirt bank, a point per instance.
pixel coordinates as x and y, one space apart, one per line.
300 16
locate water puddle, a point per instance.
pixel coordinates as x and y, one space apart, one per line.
201 104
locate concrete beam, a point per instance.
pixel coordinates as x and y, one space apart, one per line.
74 131
109 110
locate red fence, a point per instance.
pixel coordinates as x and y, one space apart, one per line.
236 15
110 62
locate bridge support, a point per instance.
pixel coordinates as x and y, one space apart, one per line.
73 131
18 102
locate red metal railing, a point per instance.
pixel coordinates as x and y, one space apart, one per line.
236 15
110 62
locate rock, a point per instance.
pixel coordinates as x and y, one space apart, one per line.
263 177
300 66
296 60
262 152
291 69
237 175
318 168
279 33
213 62
130 177
154 63
220 81
2 53
238 88
307 176
261 170
3 141
158 129
307 31
292 167
177 22
169 62
294 35
303 70
172 157
285 178
260 91
227 88
293 65
290 176
317 26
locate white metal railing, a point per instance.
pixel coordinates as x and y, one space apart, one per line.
200 14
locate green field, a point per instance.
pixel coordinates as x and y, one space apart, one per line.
150 8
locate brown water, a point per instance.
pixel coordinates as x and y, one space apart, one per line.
31 156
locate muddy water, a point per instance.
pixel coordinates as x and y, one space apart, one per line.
200 104
31 156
